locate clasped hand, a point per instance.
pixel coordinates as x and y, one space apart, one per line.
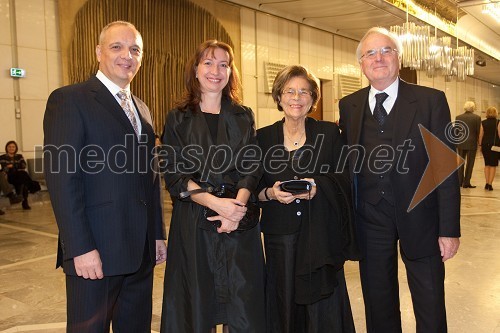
287 197
230 211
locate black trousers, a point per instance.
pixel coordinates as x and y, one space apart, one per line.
123 300
469 155
379 276
21 181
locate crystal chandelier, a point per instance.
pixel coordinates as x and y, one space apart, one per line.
431 54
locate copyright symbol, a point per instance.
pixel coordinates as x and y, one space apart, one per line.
457 132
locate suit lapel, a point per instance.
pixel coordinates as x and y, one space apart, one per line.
405 110
231 125
357 114
109 103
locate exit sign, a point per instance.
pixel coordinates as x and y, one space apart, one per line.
17 72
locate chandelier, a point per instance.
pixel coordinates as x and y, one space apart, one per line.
432 54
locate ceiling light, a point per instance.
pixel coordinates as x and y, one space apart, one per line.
480 62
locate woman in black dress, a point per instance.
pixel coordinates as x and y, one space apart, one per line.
488 137
307 236
14 166
214 274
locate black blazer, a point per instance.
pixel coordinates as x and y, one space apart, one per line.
190 153
326 142
439 213
105 195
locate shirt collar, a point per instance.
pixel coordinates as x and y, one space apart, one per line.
112 87
391 90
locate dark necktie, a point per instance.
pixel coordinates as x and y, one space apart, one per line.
125 104
379 112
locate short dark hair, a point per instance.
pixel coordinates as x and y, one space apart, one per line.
9 143
290 72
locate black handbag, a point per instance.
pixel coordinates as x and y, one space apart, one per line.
249 221
296 186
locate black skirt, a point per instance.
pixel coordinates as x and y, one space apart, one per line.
490 156
211 278
331 314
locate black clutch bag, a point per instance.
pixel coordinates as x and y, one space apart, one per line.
296 186
252 216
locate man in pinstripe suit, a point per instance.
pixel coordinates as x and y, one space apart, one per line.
105 195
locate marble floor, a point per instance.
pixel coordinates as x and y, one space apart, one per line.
32 297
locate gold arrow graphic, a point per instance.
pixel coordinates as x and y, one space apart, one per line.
442 163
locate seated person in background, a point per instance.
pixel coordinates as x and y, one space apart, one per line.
6 189
14 166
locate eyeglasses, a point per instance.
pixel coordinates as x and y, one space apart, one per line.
292 92
384 51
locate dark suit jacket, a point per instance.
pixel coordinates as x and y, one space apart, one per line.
105 195
439 213
473 122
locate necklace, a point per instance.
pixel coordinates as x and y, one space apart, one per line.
295 143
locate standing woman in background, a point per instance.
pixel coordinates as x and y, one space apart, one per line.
488 137
215 274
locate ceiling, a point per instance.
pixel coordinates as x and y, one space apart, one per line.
352 18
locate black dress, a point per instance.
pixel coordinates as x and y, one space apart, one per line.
210 278
490 138
307 241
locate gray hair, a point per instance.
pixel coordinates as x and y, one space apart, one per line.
469 106
112 24
381 31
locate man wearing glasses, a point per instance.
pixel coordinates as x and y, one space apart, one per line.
383 121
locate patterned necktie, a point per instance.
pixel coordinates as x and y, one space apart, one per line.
125 104
379 112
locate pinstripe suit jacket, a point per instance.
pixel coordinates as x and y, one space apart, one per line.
103 190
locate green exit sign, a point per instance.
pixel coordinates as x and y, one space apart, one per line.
17 72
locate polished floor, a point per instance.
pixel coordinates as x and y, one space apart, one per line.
32 297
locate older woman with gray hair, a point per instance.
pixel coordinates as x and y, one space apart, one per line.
306 230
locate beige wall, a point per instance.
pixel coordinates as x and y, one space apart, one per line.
262 37
29 40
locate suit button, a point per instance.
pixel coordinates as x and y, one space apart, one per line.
382 192
381 131
299 213
143 202
297 200
381 177
295 177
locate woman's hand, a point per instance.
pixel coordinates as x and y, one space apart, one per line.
282 196
308 195
226 225
230 211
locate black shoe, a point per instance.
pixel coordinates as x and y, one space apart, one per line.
14 199
490 187
2 212
26 206
487 186
469 186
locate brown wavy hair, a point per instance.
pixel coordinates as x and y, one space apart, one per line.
192 94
